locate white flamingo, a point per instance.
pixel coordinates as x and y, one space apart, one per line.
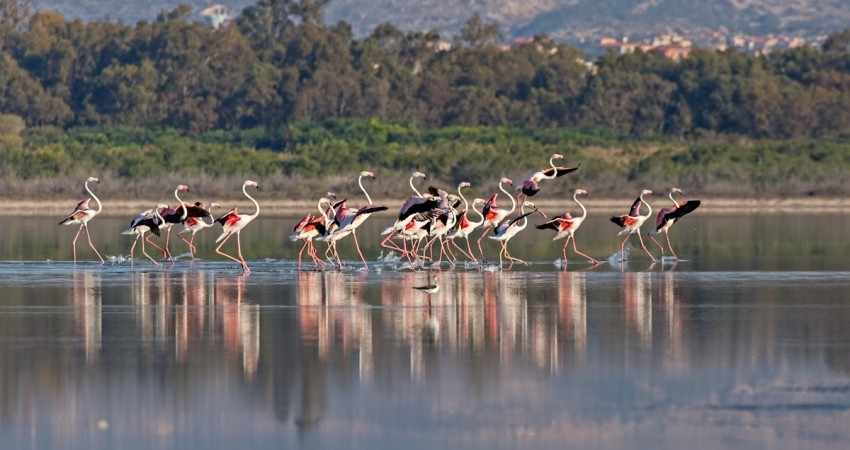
566 226
233 223
632 222
82 215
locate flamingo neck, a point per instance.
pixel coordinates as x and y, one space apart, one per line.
212 219
580 205
460 194
649 213
360 182
513 200
410 182
158 216
256 205
324 211
477 211
182 203
97 200
673 199
524 219
554 170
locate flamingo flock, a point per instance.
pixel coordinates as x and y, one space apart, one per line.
427 229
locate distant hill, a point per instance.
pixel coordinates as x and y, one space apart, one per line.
571 20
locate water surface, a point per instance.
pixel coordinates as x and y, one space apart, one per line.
745 345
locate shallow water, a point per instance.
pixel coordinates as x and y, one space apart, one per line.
744 345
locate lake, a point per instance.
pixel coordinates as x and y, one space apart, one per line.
745 344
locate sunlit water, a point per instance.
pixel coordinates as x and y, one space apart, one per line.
744 345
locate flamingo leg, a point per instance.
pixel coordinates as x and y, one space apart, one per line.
661 247
190 245
564 252
591 259
149 241
623 248
301 252
501 252
511 257
670 246
167 247
133 247
480 248
389 244
644 247
245 267
359 252
461 250
91 244
222 253
469 247
74 243
144 251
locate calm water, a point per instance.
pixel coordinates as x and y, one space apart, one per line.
745 345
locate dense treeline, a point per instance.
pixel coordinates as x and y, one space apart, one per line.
279 94
279 63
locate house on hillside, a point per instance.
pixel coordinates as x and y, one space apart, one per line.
218 15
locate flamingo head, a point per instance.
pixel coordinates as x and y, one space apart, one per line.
161 206
214 205
464 184
477 201
528 204
557 156
251 183
367 174
581 192
418 174
331 195
676 190
646 192
506 180
93 180
183 188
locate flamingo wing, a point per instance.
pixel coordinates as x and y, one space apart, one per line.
229 218
196 210
370 210
553 224
634 211
560 171
624 221
83 205
488 210
682 210
416 205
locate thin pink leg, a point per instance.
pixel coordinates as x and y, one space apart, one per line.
644 247
480 248
669 245
74 242
592 260
300 252
222 253
469 247
245 267
91 244
359 252
145 252
133 247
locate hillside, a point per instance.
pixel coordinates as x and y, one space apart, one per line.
571 20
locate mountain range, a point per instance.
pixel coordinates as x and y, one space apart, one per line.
569 20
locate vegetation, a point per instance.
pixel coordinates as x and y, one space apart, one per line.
280 95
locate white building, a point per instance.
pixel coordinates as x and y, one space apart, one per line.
218 15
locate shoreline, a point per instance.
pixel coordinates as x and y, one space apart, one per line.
281 208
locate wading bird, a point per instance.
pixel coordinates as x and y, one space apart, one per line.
195 223
311 227
508 228
414 205
566 226
233 223
443 220
347 220
145 222
531 186
465 226
668 216
173 216
82 214
631 223
493 215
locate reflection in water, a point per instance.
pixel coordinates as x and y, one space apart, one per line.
319 356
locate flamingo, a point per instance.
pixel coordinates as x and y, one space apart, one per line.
531 186
493 215
416 204
464 226
346 221
668 216
195 223
632 222
566 226
233 223
310 227
146 221
443 220
173 216
81 215
508 228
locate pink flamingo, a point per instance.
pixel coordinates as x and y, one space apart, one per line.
311 227
145 222
669 216
195 222
233 223
531 186
493 215
173 216
631 223
566 226
82 215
